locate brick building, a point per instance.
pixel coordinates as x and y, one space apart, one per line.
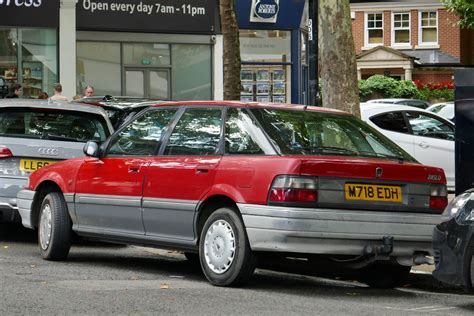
412 40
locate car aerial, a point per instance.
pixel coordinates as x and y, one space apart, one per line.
35 133
426 136
453 243
119 109
445 109
226 181
410 102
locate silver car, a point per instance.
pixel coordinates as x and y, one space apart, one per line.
36 133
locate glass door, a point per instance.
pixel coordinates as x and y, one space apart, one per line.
147 83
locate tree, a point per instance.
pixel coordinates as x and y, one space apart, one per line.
465 10
338 70
230 32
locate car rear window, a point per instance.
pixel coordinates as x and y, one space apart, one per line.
310 133
52 124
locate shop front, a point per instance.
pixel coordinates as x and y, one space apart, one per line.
29 44
162 50
273 48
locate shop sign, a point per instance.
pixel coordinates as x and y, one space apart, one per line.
264 11
172 16
42 13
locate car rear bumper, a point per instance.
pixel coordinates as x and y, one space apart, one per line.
25 201
9 187
336 231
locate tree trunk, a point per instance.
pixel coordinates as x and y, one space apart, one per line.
338 70
230 32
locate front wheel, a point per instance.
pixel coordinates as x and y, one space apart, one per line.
385 275
224 250
54 228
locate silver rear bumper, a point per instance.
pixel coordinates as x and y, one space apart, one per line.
24 202
335 231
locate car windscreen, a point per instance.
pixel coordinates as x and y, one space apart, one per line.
52 124
318 133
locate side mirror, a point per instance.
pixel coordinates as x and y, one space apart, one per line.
91 149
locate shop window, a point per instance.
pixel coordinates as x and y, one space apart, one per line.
265 83
401 28
265 46
374 29
29 57
146 54
428 27
98 65
188 61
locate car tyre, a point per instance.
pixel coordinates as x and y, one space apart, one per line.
385 275
224 249
54 228
469 286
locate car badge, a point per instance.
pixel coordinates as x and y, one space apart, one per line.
48 151
378 172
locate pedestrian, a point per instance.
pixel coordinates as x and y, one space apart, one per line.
58 90
15 91
89 91
43 95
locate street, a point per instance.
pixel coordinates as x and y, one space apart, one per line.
109 279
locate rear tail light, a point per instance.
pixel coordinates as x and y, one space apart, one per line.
5 152
438 197
293 190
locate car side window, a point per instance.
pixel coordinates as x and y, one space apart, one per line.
392 121
428 126
197 133
142 136
243 136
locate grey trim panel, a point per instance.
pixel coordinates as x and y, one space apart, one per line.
69 197
176 205
110 200
312 230
25 200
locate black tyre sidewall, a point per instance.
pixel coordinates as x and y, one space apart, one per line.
243 264
60 240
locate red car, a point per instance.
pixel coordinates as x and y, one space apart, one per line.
230 180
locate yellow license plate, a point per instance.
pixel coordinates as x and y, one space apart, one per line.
373 192
30 165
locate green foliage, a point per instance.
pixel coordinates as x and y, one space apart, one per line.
379 86
465 10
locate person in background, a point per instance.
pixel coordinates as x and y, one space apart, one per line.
14 91
43 95
58 90
89 91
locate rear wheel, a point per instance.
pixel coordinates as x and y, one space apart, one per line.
385 275
470 271
224 250
54 228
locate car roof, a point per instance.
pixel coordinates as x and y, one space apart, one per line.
394 100
56 105
254 104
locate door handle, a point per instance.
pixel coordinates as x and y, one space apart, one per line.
134 168
205 167
424 145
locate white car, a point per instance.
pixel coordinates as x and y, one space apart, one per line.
445 110
428 137
411 102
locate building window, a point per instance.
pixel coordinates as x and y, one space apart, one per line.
401 28
428 27
374 29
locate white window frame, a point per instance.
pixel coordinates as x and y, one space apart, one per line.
420 29
401 29
366 30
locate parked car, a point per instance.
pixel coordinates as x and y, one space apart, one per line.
36 133
453 242
228 180
426 136
119 109
445 110
3 88
410 102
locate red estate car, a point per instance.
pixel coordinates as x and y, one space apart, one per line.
230 180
